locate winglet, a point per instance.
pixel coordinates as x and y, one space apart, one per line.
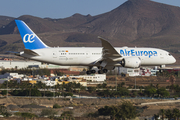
30 39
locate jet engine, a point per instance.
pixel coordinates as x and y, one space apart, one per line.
131 62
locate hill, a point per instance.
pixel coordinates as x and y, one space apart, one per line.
134 23
135 20
4 20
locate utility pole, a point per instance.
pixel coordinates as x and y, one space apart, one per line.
116 81
54 91
7 87
135 82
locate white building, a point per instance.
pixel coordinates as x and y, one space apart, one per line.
145 71
11 75
26 64
148 71
17 64
154 72
129 71
50 83
93 78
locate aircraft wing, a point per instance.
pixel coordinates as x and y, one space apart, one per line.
108 50
109 54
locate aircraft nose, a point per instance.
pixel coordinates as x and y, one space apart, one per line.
173 60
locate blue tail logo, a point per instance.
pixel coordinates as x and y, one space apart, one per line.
30 39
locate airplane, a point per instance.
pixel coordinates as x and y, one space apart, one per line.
104 58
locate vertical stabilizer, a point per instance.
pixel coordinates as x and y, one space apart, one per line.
30 39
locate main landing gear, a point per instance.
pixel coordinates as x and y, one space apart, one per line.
90 72
100 71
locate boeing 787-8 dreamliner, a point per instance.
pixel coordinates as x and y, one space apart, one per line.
104 58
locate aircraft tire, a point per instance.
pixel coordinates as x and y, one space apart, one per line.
105 70
100 71
93 71
88 72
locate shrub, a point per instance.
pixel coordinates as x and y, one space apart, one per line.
67 94
4 92
15 92
4 112
48 112
49 94
56 106
91 89
67 113
17 113
34 92
28 115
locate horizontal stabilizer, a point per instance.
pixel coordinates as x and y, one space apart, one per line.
15 53
30 52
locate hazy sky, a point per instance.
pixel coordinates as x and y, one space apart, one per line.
62 8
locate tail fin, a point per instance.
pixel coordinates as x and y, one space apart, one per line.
30 39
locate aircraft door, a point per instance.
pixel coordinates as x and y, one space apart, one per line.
161 55
87 54
54 54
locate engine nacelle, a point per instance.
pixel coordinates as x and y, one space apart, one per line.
131 62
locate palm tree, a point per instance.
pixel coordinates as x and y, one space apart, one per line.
15 84
99 86
162 112
47 87
18 85
23 85
30 86
44 87
56 87
176 113
156 116
63 86
114 111
4 85
157 86
11 84
59 87
39 84
127 110
169 114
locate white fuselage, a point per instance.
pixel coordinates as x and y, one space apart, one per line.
85 56
105 58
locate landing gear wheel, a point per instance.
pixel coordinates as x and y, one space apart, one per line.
88 72
93 71
105 70
100 71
